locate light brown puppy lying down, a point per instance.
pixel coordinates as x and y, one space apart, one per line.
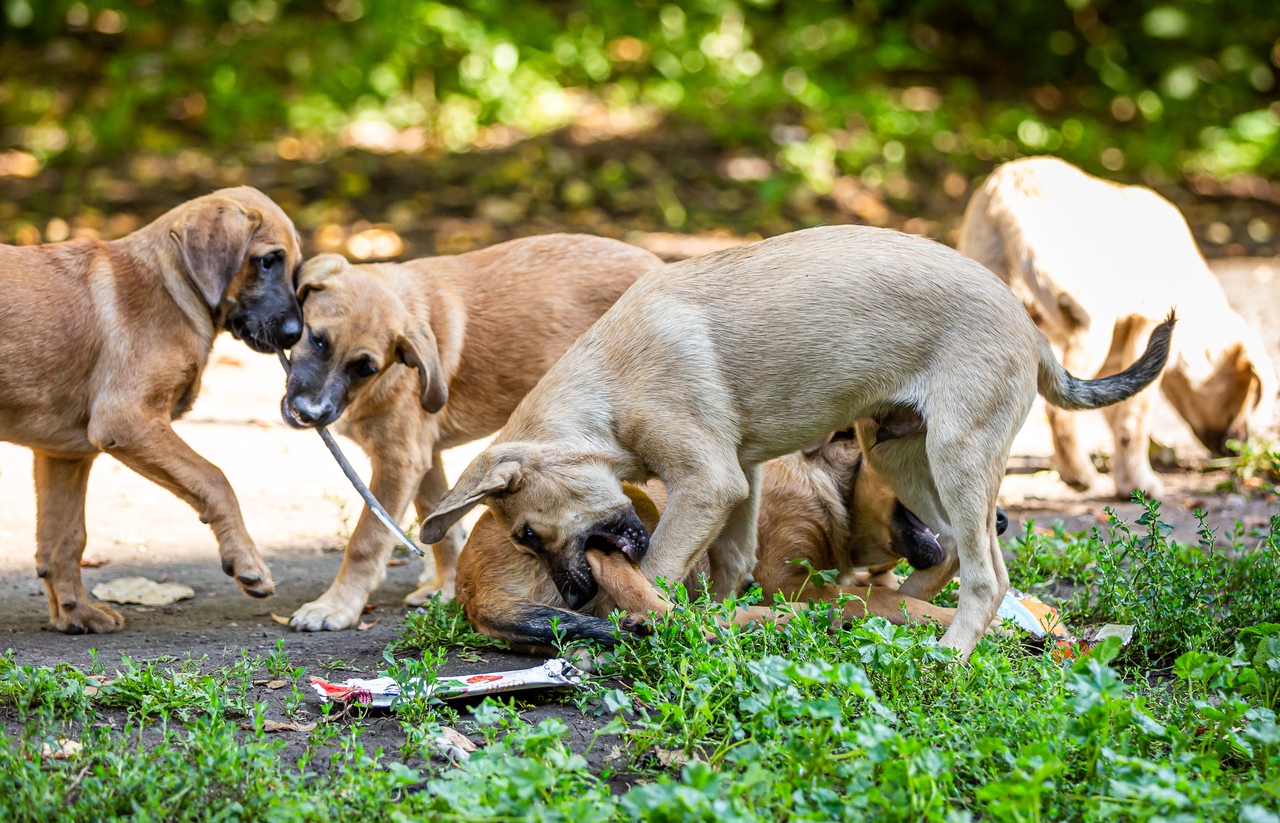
827 507
102 345
707 368
418 357
1097 265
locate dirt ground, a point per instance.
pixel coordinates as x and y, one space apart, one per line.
298 506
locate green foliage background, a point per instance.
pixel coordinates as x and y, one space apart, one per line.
906 102
1176 86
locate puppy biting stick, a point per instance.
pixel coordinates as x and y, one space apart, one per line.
361 489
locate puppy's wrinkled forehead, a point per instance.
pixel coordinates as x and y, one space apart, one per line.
355 307
276 229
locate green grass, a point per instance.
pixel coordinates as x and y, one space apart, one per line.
876 722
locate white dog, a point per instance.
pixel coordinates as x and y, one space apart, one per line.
1097 265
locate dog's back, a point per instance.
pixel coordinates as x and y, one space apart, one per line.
512 310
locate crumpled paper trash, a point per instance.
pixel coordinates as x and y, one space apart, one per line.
381 692
1042 621
142 591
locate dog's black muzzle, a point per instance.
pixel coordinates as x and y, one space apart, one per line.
918 544
266 315
267 334
626 534
577 586
574 580
312 396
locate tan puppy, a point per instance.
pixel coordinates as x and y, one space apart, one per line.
1097 265
827 507
707 368
102 345
476 331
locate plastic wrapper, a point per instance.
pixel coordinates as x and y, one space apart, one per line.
381 692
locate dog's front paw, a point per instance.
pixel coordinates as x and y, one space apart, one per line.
250 572
328 614
85 617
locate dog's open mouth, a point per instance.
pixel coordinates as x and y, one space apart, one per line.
602 541
627 535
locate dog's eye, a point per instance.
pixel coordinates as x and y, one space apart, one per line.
269 261
319 341
529 538
362 368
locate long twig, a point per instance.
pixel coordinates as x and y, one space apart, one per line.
363 490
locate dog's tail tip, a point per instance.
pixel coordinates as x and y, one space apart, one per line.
1069 392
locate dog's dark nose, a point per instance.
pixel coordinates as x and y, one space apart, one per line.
1002 521
309 411
290 332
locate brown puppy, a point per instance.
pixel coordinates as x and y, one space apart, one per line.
476 331
827 507
102 345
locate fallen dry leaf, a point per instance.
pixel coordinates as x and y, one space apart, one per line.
457 738
142 591
368 608
672 758
283 621
453 745
64 750
398 561
365 625
90 691
277 684
615 753
93 562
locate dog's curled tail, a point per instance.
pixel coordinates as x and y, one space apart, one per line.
1066 391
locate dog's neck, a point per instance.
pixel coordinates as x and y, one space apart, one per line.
150 247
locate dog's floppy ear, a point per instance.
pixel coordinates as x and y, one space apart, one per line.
485 477
417 348
212 236
317 270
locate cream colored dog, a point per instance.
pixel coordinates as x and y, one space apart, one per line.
422 356
706 368
1097 265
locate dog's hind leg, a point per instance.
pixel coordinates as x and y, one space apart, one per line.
1083 354
1130 420
60 537
967 465
733 552
434 486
